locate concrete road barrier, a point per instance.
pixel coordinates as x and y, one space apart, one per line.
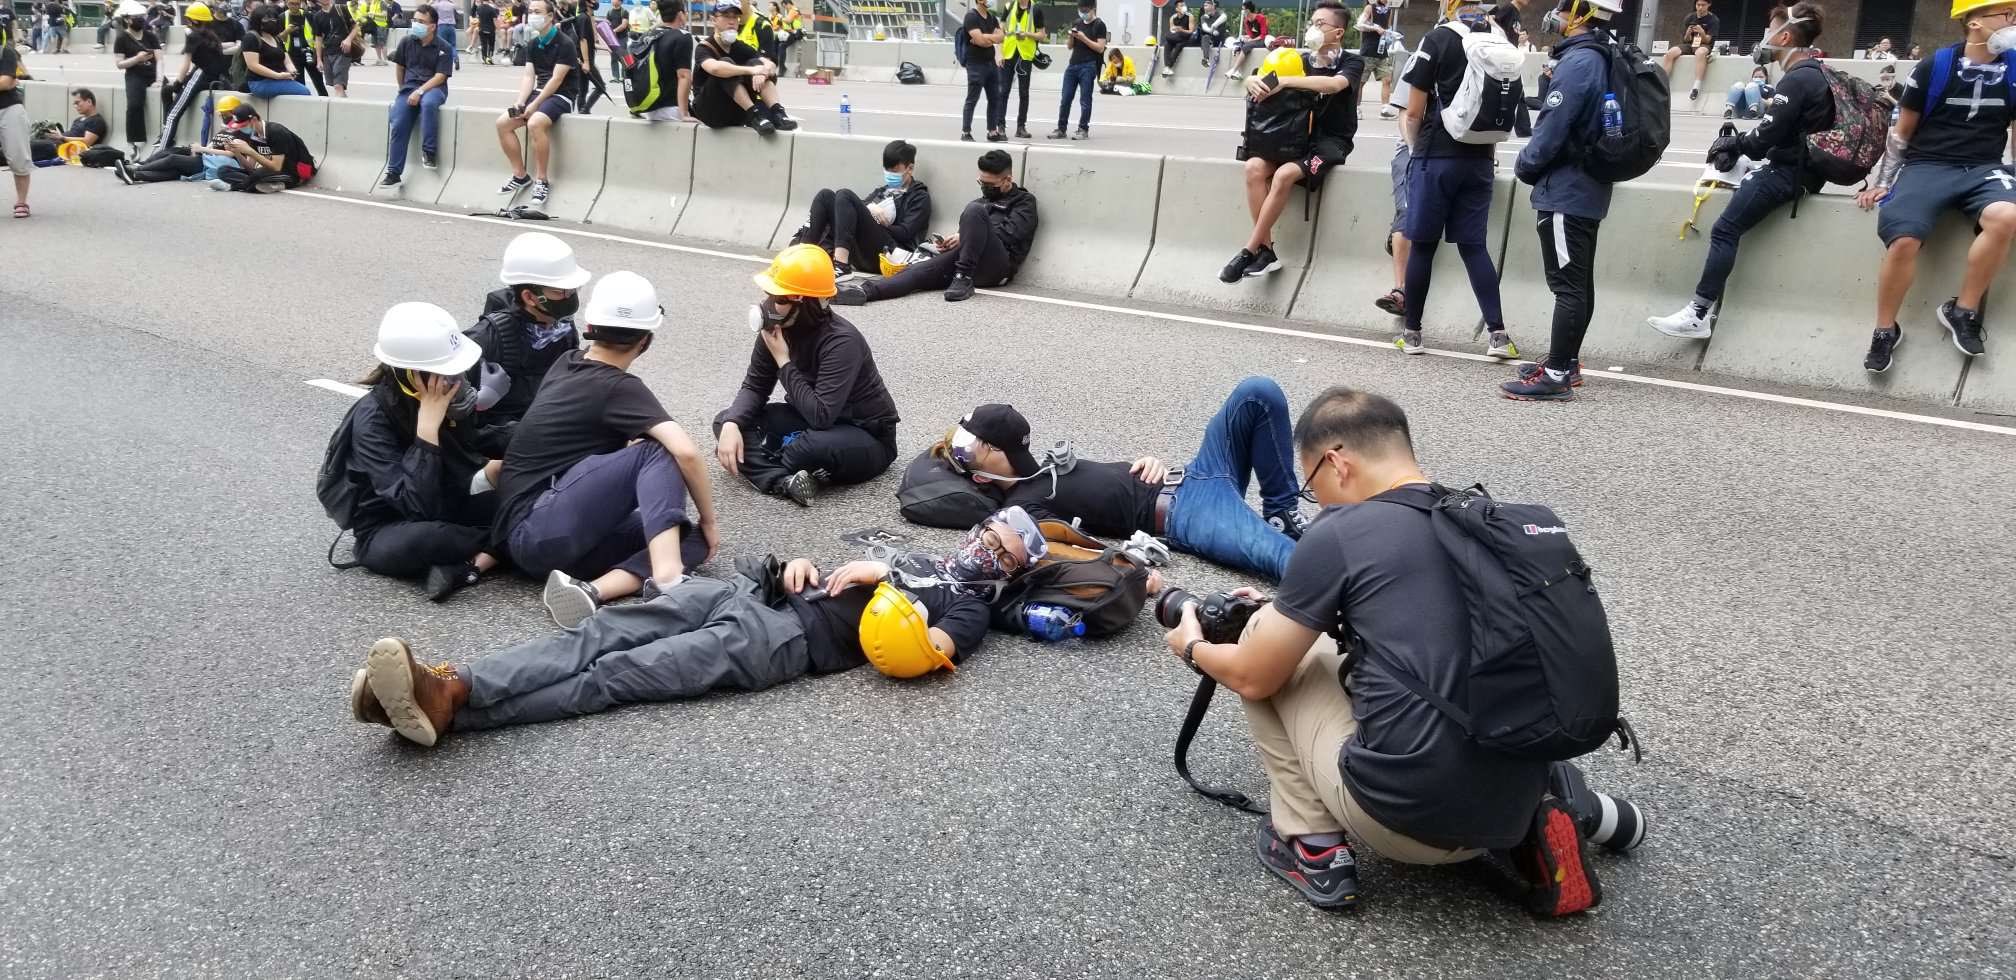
822 160
1991 379
306 116
1200 223
1096 218
46 100
740 182
417 184
358 130
876 61
579 145
648 177
1727 70
580 152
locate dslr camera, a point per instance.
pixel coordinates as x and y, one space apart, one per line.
1222 614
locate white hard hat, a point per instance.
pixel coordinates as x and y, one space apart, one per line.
623 301
539 259
130 8
423 337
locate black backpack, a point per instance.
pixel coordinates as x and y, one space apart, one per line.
1098 581
1542 680
333 487
933 495
910 73
960 45
1647 100
645 87
1280 129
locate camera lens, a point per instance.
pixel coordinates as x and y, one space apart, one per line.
1169 607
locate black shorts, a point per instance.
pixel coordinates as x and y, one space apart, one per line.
555 108
1328 155
1925 189
714 106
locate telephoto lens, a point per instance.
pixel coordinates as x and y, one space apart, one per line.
1169 606
1222 615
1603 819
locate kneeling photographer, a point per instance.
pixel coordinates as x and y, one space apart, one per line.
1373 759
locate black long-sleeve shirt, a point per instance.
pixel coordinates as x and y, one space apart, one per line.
913 212
1105 498
405 479
1802 104
829 376
1013 218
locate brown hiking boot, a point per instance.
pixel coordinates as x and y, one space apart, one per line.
364 705
419 700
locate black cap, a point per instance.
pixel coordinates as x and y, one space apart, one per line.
1004 428
244 113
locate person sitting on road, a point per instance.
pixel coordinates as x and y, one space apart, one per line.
668 63
761 628
736 85
87 127
1181 33
1199 509
1697 38
994 236
1803 105
526 328
270 156
594 486
422 63
837 422
545 96
405 477
1748 99
1119 72
1952 140
1252 34
853 228
199 162
1333 74
1367 757
267 73
1887 87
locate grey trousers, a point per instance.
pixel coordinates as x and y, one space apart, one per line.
703 635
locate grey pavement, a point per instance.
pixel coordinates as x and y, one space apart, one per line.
1811 609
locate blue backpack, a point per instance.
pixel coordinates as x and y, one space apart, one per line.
1942 69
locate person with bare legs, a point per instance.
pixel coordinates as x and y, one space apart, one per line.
545 96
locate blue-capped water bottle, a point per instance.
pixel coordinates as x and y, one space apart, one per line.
1613 115
1052 623
846 116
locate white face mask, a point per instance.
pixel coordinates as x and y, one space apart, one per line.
537 22
1313 37
2002 41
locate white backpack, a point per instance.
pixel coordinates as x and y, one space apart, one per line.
1489 98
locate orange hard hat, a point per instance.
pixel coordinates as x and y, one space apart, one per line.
801 270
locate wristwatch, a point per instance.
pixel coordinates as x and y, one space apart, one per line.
1190 654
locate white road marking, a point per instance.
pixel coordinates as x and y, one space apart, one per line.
338 387
1202 321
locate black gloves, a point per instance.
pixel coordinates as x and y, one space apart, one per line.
1723 152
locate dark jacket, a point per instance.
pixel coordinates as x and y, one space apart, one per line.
402 478
1802 104
913 212
1013 218
505 336
829 377
1571 117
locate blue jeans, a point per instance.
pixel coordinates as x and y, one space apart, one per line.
1249 437
1744 96
429 114
1078 81
600 513
267 88
448 34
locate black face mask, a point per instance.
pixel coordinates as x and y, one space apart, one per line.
991 192
560 309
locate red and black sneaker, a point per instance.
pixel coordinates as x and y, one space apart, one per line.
1555 864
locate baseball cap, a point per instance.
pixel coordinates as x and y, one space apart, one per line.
1004 428
727 7
1024 526
244 113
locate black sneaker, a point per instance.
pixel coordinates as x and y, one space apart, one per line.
429 160
123 172
1603 819
843 272
997 136
1022 133
1883 345
1082 134
1964 326
1526 372
1288 522
1235 270
781 119
1539 386
390 179
756 120
960 290
1327 878
1056 134
1264 261
799 488
446 580
966 137
541 190
1555 864
850 294
514 185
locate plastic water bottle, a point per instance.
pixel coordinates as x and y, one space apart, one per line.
1613 115
1052 623
846 117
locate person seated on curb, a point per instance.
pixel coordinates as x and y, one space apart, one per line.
893 215
1367 758
1697 38
1200 509
994 236
1118 73
1180 34
1748 99
1803 105
87 127
204 163
593 492
267 73
1952 138
526 328
763 627
545 96
837 423
668 65
1333 74
422 63
402 474
735 84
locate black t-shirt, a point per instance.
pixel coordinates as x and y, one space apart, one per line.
1181 21
706 86
125 46
563 49
1369 41
584 408
1110 501
584 28
281 140
206 52
1095 30
228 31
1710 25
1437 69
93 123
1337 115
1954 131
331 27
673 51
270 55
985 25
834 623
486 18
10 64
1378 567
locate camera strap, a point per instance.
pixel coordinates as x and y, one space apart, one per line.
1200 704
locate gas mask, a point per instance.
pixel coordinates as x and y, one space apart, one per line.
2002 41
963 450
768 313
1552 23
974 561
1767 53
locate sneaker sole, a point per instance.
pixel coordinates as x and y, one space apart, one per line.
1565 884
1950 333
360 689
1566 396
1681 333
389 671
1261 270
1389 307
1509 352
567 604
1416 349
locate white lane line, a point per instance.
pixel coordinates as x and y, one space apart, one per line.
338 387
1202 321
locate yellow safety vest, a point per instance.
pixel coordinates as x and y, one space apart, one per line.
368 11
748 34
1024 20
307 27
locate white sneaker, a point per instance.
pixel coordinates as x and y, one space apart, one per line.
568 599
1389 113
1685 325
1168 73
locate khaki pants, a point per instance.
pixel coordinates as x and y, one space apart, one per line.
1299 732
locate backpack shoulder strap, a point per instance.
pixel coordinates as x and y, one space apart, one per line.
1942 67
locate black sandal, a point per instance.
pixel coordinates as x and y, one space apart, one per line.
1394 302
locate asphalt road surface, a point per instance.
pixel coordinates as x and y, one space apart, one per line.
1811 606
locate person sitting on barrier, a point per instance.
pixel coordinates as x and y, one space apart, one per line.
1882 51
1351 751
205 66
1571 202
984 462
1951 128
994 236
853 228
1210 35
422 63
1181 33
1748 99
837 422
1697 38
667 68
1333 75
525 329
594 486
736 85
545 96
401 473
766 625
268 74
1450 188
87 127
1802 106
1252 34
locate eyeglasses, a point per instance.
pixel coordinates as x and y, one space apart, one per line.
991 541
1308 492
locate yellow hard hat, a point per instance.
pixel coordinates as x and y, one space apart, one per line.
1151 41
1962 8
1284 62
226 103
71 152
801 270
889 268
199 12
895 638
